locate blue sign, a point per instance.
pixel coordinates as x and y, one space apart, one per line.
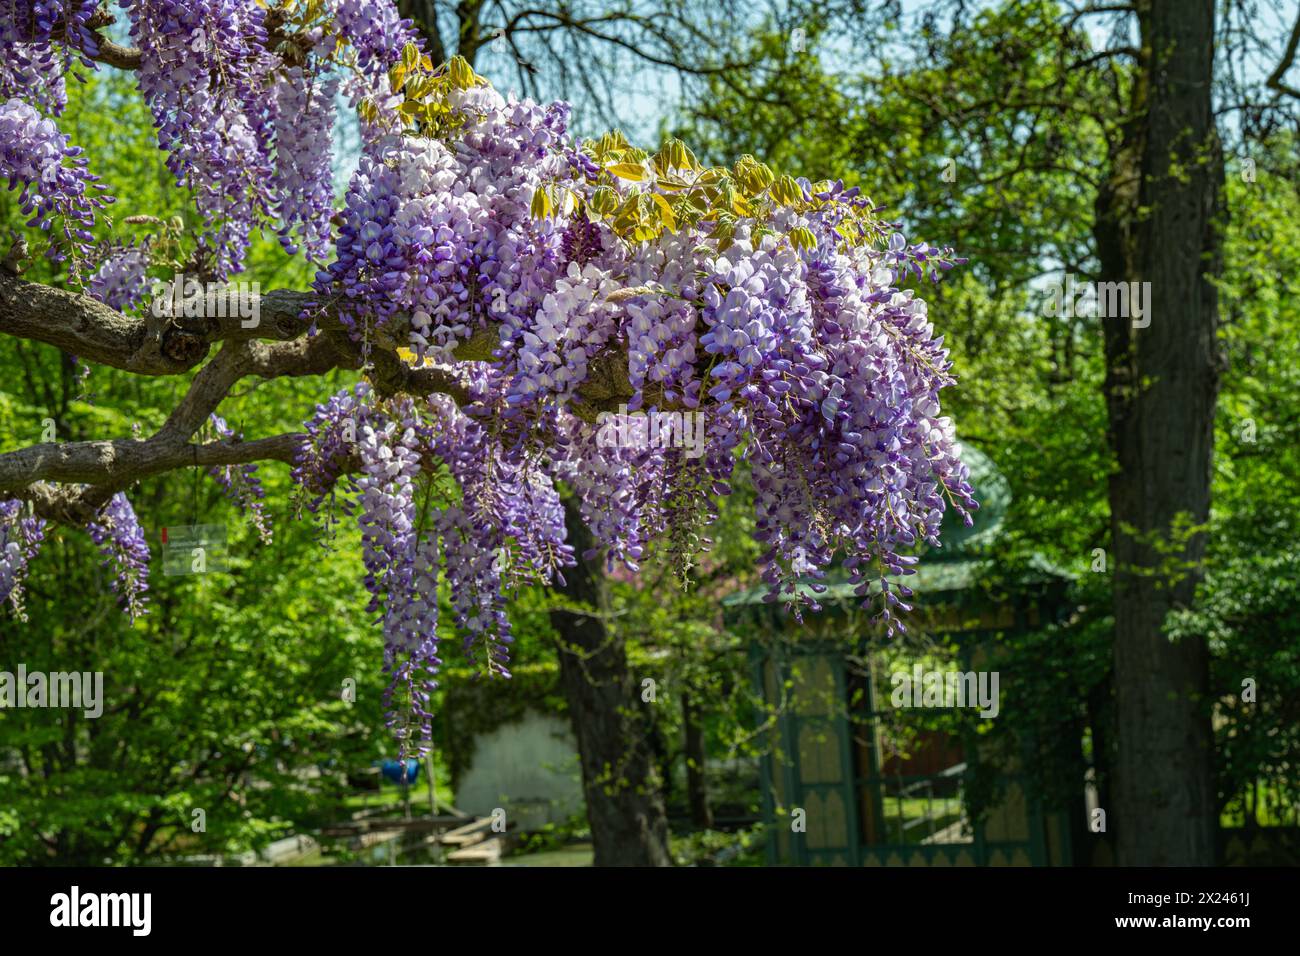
396 772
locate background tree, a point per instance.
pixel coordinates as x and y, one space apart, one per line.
1020 105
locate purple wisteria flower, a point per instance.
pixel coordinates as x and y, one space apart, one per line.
304 178
205 70
20 539
122 279
121 541
55 183
808 361
241 483
553 281
33 67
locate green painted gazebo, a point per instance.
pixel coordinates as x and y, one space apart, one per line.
835 792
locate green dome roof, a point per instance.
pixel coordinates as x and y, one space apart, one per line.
955 566
993 492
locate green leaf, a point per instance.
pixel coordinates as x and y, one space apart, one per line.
462 74
786 191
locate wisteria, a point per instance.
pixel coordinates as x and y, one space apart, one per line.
55 183
304 126
34 67
21 535
442 232
122 279
782 318
392 549
555 282
501 500
242 98
121 541
370 38
329 446
204 72
435 496
242 485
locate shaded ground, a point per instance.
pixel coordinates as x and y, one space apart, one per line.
579 854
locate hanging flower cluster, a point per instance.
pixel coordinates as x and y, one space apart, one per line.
122 279
434 495
580 279
34 66
55 183
245 117
121 541
240 482
20 538
304 124
558 282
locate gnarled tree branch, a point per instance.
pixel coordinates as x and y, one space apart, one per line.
123 461
85 327
1275 79
89 329
67 482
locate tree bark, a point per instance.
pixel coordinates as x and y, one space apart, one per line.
697 788
624 804
424 14
1158 222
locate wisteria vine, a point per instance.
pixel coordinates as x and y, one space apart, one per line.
558 282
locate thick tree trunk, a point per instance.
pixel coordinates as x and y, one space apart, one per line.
1157 223
424 14
463 24
624 804
697 788
1103 762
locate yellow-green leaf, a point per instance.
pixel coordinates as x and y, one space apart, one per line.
628 214
786 191
665 212
462 74
541 204
801 237
632 171
604 201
